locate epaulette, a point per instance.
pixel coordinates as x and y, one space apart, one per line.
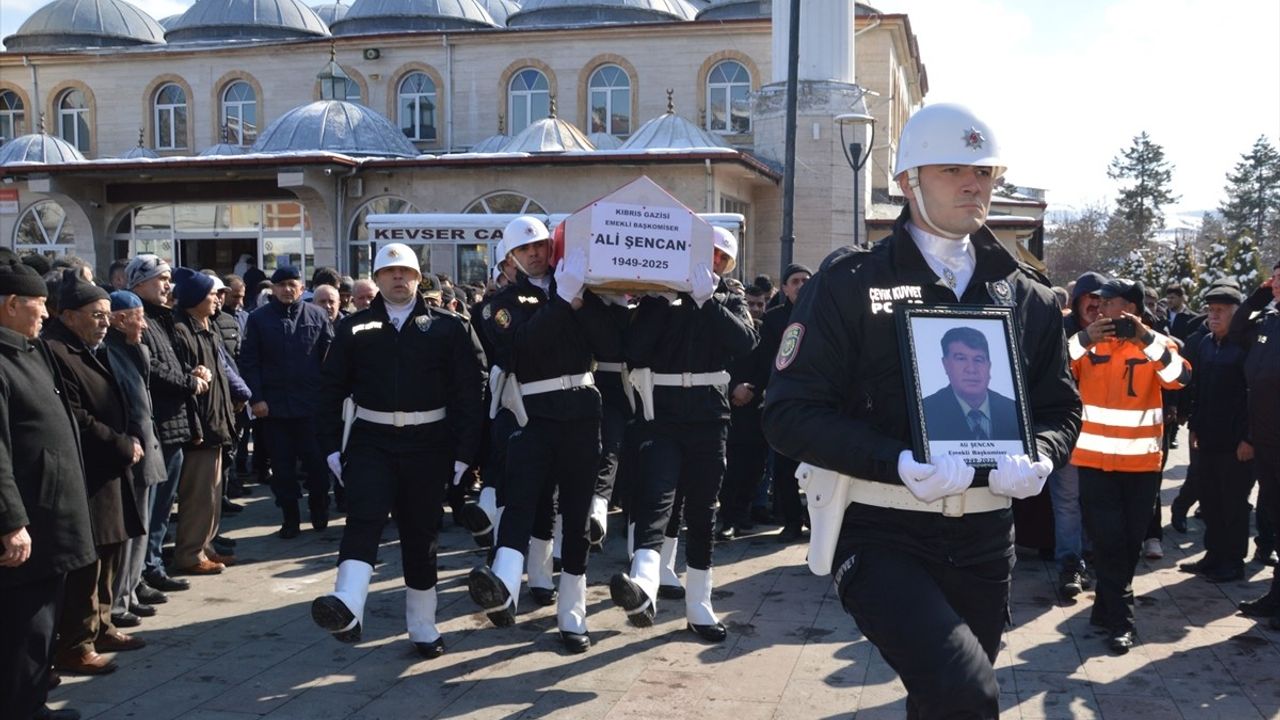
1034 274
847 256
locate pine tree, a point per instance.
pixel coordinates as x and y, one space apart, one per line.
1139 203
1183 269
1252 206
1159 266
1133 266
1214 266
1243 263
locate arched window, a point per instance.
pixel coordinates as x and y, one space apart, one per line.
43 230
528 99
505 202
170 118
73 119
417 107
11 115
240 113
610 101
728 105
360 260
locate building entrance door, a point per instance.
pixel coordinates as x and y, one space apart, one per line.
217 254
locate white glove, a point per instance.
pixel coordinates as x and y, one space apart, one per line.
948 476
571 275
1017 477
335 464
459 468
703 284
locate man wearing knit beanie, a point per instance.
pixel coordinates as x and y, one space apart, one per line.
38 547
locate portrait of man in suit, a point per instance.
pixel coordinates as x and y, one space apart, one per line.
967 408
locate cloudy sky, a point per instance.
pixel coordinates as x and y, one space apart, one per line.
1067 85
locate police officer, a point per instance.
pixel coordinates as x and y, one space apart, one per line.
411 425
616 412
679 350
545 331
922 552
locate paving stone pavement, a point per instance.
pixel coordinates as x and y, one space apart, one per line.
242 645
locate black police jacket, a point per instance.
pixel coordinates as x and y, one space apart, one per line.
837 398
612 392
1261 335
677 336
431 362
536 335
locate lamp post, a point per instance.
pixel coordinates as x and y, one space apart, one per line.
788 239
857 159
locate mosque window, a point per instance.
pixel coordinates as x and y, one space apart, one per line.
728 98
528 99
73 119
170 118
610 101
417 107
12 114
43 230
240 113
505 202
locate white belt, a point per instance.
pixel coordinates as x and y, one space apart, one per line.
897 497
610 367
564 382
687 380
399 418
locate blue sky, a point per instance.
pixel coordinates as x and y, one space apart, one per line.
1067 85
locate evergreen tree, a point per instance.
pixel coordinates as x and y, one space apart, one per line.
1183 269
1214 266
1159 266
1133 266
1212 230
1140 203
1244 264
1252 206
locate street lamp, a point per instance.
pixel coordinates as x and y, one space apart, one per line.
854 155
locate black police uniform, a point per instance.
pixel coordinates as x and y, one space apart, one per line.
536 335
616 410
746 449
683 447
930 591
786 489
429 363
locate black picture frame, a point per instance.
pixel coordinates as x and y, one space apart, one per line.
937 414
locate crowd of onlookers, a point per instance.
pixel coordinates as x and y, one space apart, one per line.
170 375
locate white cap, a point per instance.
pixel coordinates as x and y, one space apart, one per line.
947 134
727 243
396 255
524 230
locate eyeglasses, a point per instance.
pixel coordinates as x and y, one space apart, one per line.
98 316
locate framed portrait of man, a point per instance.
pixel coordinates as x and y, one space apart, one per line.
964 375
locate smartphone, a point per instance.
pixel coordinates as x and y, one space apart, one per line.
1124 327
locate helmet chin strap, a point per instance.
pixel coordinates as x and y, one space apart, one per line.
913 180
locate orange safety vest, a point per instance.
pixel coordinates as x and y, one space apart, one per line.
1123 413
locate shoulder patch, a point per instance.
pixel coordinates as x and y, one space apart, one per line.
502 318
791 338
487 313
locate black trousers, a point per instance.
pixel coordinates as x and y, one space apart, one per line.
613 426
495 466
290 440
1117 508
28 615
685 459
543 456
1225 483
744 466
1189 493
385 476
936 624
786 490
1266 465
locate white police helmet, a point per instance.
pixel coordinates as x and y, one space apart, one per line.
727 243
396 255
947 134
524 230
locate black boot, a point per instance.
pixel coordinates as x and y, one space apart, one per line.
289 529
318 504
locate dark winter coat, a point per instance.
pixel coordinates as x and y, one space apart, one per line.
284 347
130 364
212 417
41 475
106 434
172 384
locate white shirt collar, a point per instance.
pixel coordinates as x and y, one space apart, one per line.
543 282
947 258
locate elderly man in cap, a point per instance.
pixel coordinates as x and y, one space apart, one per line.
362 294
1122 365
412 379
44 515
130 363
1221 434
173 386
109 446
284 345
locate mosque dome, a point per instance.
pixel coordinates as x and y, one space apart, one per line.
604 141
549 135
499 10
367 17
491 144
745 9
669 131
39 148
332 12
73 24
222 20
138 152
221 149
334 126
540 13
167 22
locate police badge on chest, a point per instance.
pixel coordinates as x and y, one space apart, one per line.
422 322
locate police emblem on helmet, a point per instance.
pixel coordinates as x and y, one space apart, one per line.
973 138
393 253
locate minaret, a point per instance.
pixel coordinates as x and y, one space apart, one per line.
824 214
